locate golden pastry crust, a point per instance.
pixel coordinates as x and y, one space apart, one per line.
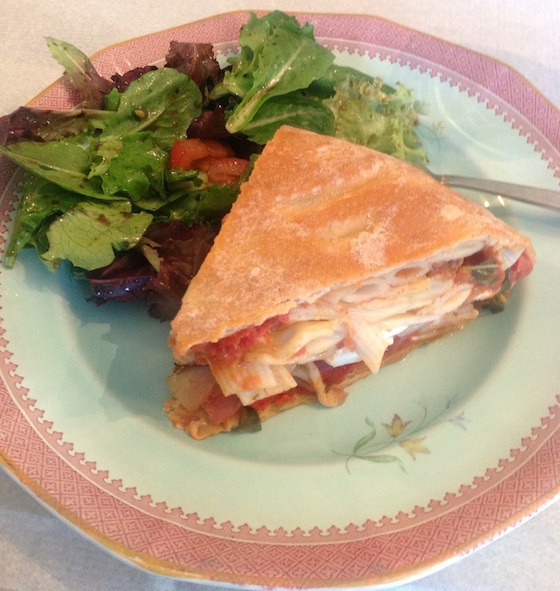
319 212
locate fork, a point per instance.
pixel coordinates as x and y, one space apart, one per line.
541 197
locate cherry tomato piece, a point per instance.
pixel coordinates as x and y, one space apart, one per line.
184 153
223 170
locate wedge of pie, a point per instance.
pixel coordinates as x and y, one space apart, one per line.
334 260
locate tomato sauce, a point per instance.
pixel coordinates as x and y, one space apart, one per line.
521 268
233 347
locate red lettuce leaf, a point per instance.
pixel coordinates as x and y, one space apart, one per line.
180 249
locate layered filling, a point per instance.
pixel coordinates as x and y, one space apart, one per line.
320 346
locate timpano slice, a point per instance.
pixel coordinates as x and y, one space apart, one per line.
334 260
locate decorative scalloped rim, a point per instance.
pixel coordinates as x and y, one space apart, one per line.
95 523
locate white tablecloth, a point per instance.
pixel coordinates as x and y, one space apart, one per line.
37 550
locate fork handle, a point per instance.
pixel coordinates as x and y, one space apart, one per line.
543 197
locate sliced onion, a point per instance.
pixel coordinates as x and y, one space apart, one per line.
191 385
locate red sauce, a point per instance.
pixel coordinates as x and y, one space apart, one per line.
521 268
333 376
233 347
279 399
220 407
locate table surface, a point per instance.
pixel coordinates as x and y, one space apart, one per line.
511 31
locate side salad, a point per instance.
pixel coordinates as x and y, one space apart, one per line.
130 186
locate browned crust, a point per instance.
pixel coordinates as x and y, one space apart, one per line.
199 426
318 212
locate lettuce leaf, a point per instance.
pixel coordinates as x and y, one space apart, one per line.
97 175
205 205
40 203
161 102
132 166
88 233
62 162
78 200
283 76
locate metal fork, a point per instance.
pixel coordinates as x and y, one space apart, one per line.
541 197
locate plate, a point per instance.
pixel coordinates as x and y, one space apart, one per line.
433 458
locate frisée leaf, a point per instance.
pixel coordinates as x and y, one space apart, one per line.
373 114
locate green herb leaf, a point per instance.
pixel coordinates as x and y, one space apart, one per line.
249 420
485 272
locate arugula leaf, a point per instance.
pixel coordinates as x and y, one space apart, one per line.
88 233
163 101
255 34
62 162
295 109
277 57
253 37
134 167
80 72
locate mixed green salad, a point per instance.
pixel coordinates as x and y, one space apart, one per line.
130 186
